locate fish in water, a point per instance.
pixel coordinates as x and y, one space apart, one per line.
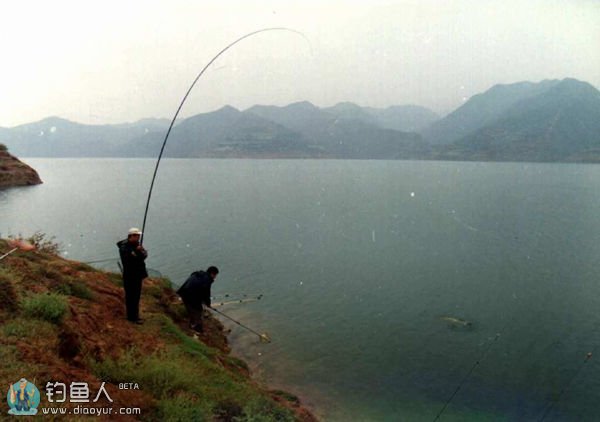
454 322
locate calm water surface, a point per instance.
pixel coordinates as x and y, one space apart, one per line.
359 261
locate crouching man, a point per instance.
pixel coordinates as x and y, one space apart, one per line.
195 293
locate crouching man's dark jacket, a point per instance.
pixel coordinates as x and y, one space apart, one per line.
196 289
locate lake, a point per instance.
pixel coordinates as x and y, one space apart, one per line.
362 265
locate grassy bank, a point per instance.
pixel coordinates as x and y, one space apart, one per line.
63 321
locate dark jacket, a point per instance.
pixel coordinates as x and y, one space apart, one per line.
196 289
134 266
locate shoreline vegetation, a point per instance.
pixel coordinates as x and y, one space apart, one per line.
63 321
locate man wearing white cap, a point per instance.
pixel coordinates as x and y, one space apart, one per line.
133 256
22 399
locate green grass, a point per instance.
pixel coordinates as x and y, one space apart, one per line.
190 386
160 373
177 311
51 307
264 410
70 286
162 286
80 266
154 291
116 279
81 290
165 283
227 410
183 407
187 379
238 363
63 289
188 344
287 396
28 328
13 368
9 300
50 273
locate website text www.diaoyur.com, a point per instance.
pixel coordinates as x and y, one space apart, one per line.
91 411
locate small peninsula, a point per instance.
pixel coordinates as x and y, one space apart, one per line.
14 172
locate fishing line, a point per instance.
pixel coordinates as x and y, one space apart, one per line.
99 261
235 295
151 271
264 337
564 390
466 377
183 101
244 299
237 301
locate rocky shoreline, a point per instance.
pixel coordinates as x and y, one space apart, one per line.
14 172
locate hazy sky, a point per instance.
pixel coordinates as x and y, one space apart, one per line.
116 61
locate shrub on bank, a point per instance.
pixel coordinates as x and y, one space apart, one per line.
51 307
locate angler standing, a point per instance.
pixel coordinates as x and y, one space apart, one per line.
195 293
133 256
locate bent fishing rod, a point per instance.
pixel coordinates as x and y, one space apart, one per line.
264 337
183 101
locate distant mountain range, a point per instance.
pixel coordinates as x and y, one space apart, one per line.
553 120
56 137
549 121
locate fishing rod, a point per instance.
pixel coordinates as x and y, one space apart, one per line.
16 245
8 253
549 407
264 337
183 101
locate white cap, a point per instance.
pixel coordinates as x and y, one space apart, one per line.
134 230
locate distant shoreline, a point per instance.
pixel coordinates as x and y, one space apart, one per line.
449 160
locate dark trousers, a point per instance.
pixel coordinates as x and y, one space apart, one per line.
133 291
21 405
195 314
